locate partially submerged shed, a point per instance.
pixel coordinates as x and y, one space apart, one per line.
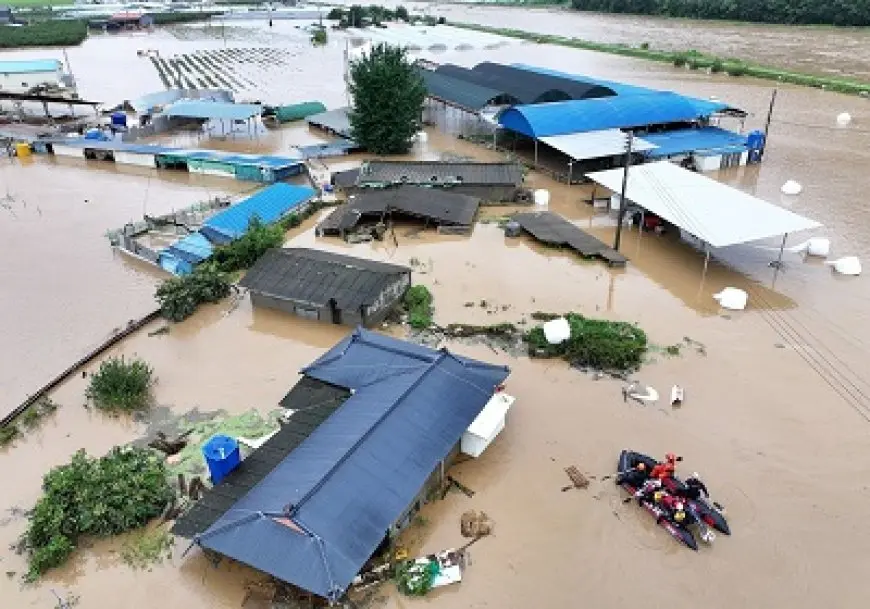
293 112
433 206
362 474
328 287
336 122
555 231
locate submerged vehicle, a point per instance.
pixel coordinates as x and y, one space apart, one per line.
707 513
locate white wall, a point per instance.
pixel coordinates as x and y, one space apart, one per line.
133 158
20 83
61 150
709 163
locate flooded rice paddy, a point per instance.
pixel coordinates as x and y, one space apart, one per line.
775 416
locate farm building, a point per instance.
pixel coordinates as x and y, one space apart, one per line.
293 112
486 181
24 75
437 207
328 287
318 499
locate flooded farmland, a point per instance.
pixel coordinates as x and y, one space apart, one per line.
780 381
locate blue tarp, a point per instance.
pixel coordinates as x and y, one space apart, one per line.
192 108
268 205
31 66
706 139
321 513
193 248
620 112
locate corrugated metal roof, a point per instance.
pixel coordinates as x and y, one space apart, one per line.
705 139
268 205
319 515
30 66
161 98
440 173
461 92
253 160
295 112
307 275
191 108
193 248
113 145
619 87
575 116
336 121
595 144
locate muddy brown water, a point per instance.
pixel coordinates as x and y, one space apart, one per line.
763 420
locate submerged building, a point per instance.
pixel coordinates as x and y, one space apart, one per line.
378 423
23 76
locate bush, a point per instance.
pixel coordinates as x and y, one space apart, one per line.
736 69
716 66
604 345
120 385
179 297
680 59
418 302
319 37
49 33
106 496
247 249
8 433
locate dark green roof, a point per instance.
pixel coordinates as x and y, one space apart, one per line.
460 92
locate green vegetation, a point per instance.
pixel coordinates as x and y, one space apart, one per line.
121 386
361 16
319 37
418 302
179 297
103 496
388 96
414 579
247 249
692 58
8 434
170 18
45 34
827 12
614 346
35 3
147 547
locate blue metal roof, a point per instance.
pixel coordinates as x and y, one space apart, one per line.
29 66
114 145
268 205
320 514
576 116
161 98
255 160
705 139
192 108
619 87
193 248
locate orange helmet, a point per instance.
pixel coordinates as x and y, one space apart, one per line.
671 458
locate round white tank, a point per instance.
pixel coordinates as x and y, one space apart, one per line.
732 298
850 265
542 196
791 188
844 118
819 246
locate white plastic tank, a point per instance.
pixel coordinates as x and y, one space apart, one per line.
557 330
791 188
817 246
850 265
844 118
734 299
542 196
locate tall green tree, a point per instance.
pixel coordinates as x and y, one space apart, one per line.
388 95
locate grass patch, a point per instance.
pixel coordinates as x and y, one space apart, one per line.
179 297
693 59
45 34
98 497
121 386
148 547
418 303
613 346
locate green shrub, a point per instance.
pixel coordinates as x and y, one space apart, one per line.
121 386
102 496
604 345
319 37
418 302
735 69
66 32
717 66
247 249
179 297
8 433
680 59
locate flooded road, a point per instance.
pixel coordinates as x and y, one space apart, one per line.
781 381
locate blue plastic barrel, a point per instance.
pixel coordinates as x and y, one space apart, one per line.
221 456
119 119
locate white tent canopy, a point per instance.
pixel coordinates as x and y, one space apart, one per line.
595 144
713 212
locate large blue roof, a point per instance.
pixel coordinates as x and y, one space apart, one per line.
321 513
268 205
619 112
706 139
192 248
29 66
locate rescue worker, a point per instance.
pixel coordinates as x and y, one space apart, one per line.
666 469
648 488
636 476
695 488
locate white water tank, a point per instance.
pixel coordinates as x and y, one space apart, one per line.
819 246
557 330
844 118
850 265
791 188
542 196
732 298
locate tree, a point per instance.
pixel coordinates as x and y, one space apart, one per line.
402 14
388 96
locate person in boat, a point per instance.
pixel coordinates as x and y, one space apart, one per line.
673 506
667 468
636 476
695 488
647 489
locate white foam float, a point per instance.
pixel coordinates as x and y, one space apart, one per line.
791 188
542 196
849 265
557 330
422 137
816 246
844 118
642 393
677 395
734 299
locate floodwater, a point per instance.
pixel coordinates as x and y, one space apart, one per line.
775 416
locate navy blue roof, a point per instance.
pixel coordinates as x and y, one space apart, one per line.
706 139
321 513
619 112
268 205
618 87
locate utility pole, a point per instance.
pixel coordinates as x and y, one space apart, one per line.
622 204
769 117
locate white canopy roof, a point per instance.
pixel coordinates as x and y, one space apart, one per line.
715 213
595 144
